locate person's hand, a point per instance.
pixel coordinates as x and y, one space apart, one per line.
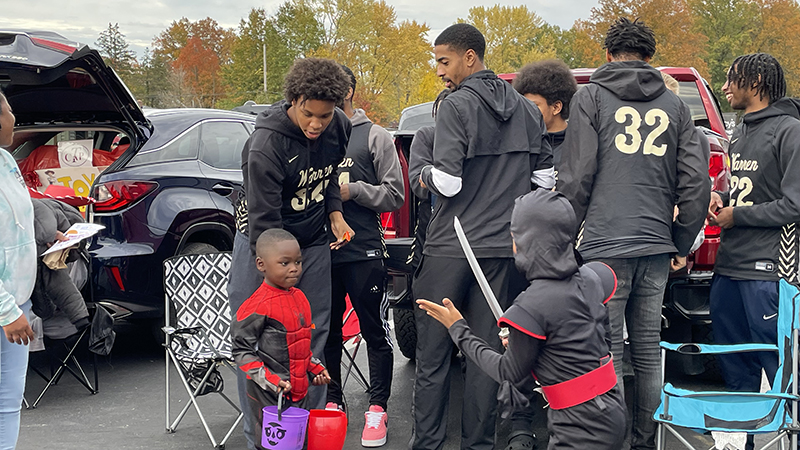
714 205
677 263
724 218
59 238
447 315
675 213
341 230
285 385
19 331
504 340
344 189
323 378
422 183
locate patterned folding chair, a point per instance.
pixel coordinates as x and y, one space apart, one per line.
198 342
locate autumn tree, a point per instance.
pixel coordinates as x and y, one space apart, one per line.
388 58
514 36
678 42
198 50
114 48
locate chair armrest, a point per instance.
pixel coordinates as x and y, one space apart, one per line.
683 393
698 349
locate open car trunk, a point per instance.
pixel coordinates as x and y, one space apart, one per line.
74 116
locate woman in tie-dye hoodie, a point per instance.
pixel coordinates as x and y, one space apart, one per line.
17 276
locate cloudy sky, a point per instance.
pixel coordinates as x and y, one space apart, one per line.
141 20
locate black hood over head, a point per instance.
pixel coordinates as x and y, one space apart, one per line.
785 106
497 94
630 80
543 223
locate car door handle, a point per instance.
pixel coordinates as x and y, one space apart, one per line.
222 189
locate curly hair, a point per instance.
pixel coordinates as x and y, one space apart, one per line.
762 71
316 79
630 38
551 79
462 37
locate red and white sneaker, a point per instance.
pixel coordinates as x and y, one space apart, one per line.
331 406
374 434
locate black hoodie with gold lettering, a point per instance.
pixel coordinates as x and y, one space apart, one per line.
290 181
631 153
765 195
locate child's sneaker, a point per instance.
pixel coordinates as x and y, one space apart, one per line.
331 406
374 434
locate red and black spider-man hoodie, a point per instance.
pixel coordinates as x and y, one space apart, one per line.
272 339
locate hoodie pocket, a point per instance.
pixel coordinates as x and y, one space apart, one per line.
18 271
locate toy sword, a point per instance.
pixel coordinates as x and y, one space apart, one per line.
476 270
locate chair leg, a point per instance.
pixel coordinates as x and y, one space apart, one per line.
193 401
362 380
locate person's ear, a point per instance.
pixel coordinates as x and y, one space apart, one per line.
609 58
350 94
260 264
470 57
556 107
647 59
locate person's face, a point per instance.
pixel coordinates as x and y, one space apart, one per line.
281 264
6 123
549 112
738 97
313 116
451 67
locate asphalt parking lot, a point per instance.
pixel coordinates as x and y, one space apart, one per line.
128 411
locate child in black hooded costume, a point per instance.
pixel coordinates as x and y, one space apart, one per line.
558 330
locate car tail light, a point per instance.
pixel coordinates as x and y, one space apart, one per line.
54 45
116 195
716 165
388 223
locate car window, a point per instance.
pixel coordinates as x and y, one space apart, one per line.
180 149
222 143
689 93
416 117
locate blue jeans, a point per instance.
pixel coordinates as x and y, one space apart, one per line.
637 303
13 367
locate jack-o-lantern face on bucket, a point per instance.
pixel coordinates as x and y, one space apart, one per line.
274 433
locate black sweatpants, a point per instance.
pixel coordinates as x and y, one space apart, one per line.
598 424
257 399
437 278
365 282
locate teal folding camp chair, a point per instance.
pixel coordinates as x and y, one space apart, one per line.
774 411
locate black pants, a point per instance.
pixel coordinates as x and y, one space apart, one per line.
598 424
365 282
257 399
436 279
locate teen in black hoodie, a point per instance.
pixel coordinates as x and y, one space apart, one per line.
290 182
489 147
759 219
630 155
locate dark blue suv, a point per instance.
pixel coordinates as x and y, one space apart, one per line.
164 180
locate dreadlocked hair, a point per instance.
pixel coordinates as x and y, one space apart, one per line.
630 38
761 71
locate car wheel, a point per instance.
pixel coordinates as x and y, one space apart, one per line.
405 330
197 248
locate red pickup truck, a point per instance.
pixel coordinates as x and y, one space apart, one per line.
685 311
